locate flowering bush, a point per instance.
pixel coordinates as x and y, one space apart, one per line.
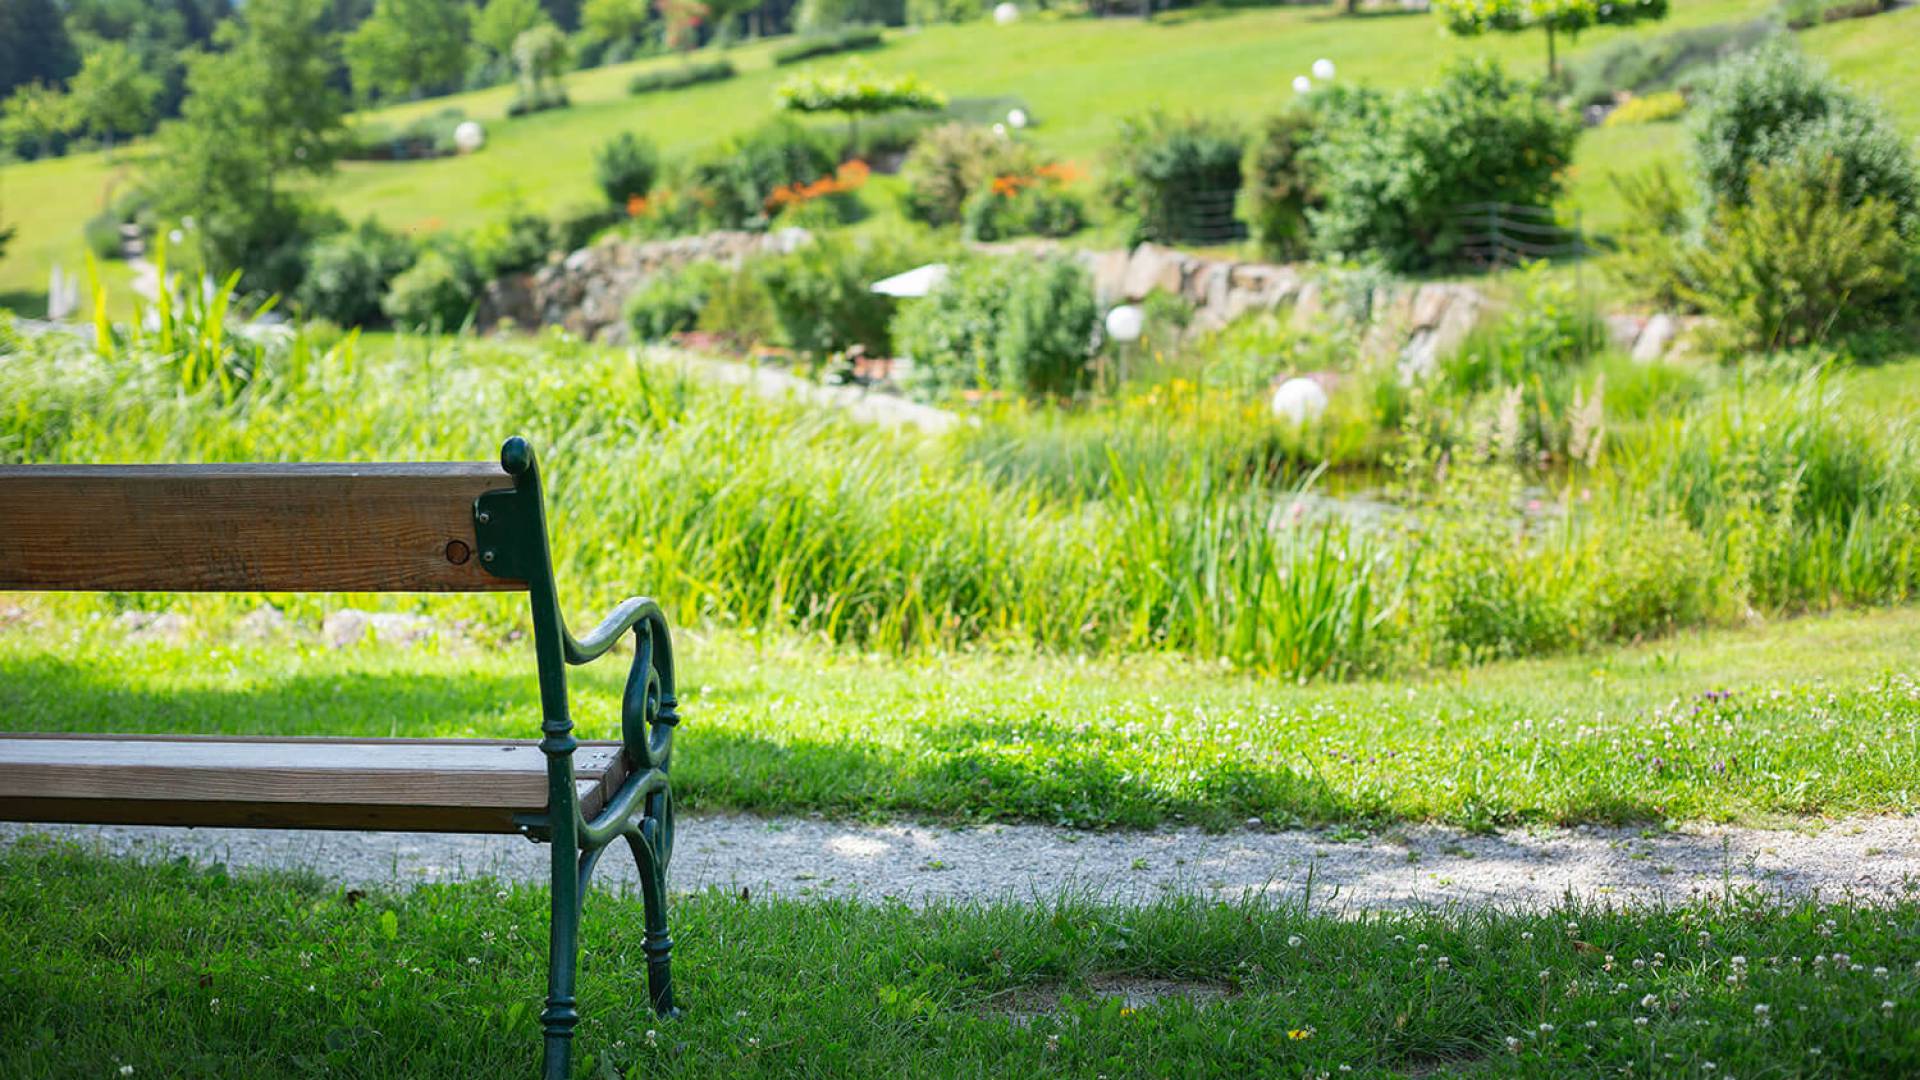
1036 204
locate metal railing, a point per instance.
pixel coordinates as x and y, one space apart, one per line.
1504 234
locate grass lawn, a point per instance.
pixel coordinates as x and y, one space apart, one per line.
1078 75
119 968
1816 716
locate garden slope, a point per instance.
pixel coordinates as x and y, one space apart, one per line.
1078 76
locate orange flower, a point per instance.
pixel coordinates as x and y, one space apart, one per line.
636 205
1062 172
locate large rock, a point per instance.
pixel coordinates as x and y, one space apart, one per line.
1153 267
1655 338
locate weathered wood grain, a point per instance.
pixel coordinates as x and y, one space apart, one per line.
455 785
245 528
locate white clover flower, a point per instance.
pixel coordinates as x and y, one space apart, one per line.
1649 1001
1513 1045
1293 941
126 1070
1546 1029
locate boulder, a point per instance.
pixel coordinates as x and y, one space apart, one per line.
1655 338
1153 267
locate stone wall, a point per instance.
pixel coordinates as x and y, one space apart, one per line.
1419 322
586 292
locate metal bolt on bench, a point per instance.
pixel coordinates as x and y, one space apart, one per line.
355 528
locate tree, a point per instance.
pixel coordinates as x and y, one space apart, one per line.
254 112
113 94
614 20
497 24
34 44
857 91
1468 18
35 115
540 55
407 47
682 19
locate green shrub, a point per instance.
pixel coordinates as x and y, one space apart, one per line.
676 76
1018 324
1806 14
1279 185
1023 206
435 293
1798 261
671 301
427 137
821 298
732 183
348 273
519 241
1177 179
1396 171
577 225
625 167
952 161
930 12
1774 106
1648 109
102 233
846 39
1642 64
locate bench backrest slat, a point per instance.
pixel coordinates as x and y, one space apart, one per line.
245 528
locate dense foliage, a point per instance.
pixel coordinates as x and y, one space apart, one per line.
625 167
1774 106
676 76
950 162
846 39
1177 178
1396 172
1009 324
1279 184
735 180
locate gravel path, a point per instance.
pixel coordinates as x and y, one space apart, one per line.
1868 857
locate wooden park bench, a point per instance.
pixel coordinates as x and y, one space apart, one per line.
354 528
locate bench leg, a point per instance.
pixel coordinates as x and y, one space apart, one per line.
560 1015
646 842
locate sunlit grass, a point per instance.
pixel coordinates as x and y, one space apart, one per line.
115 968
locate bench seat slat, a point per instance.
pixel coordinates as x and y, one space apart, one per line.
420 784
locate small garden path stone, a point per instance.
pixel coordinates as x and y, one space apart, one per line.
1417 866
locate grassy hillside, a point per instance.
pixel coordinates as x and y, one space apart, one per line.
1078 76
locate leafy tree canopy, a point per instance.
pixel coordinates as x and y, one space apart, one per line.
497 24
112 94
409 46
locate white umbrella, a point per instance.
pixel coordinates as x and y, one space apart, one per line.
918 281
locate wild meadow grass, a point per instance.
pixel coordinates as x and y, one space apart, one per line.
1816 716
1167 525
123 968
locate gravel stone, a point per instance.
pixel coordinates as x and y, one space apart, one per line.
1869 858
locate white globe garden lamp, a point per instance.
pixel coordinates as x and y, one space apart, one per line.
1299 400
1017 118
1125 323
1323 70
1006 13
469 136
1302 84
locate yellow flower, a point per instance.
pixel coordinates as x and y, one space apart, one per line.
1300 1033
1126 1012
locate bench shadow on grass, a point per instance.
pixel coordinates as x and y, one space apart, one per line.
964 769
46 693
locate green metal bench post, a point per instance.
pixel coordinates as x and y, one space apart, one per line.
510 526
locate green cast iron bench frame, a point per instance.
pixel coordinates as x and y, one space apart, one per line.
355 528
